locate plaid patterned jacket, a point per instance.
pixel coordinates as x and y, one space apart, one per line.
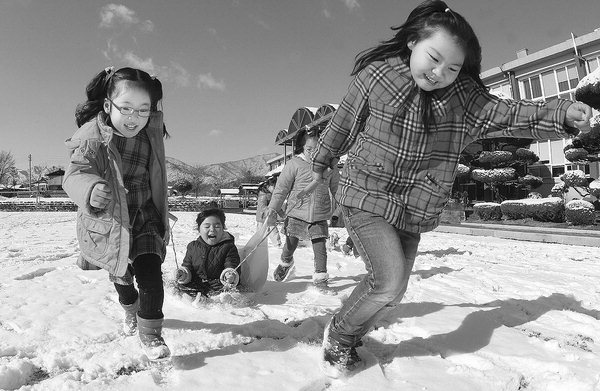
395 168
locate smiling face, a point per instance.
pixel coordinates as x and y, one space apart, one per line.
436 61
211 230
128 96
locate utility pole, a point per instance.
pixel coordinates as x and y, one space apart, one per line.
30 174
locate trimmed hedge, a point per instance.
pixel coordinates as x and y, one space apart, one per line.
580 212
495 157
488 211
542 209
496 175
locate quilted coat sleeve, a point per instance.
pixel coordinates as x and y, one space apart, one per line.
85 170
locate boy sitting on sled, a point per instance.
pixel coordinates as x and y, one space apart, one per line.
210 260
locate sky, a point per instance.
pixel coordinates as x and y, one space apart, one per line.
233 71
480 313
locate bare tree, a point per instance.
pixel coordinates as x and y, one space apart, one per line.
7 165
196 175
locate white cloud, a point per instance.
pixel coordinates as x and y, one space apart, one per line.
351 4
215 133
208 81
137 62
112 15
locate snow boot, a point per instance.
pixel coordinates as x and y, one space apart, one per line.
320 281
283 271
130 321
152 342
338 359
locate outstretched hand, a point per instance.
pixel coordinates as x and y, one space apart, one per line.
578 116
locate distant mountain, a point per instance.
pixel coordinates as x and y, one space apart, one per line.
221 172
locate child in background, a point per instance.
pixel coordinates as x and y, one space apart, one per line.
415 103
308 218
210 258
117 178
265 192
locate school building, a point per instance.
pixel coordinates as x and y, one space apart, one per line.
548 74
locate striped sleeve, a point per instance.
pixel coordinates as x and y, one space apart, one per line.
346 123
488 116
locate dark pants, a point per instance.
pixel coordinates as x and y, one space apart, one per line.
148 275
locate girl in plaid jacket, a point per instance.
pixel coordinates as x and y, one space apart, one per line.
415 103
117 177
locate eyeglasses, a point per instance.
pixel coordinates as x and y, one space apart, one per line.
130 110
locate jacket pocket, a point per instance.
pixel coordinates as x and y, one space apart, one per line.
94 236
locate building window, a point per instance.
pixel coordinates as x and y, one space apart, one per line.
592 64
573 77
532 87
558 171
563 82
549 82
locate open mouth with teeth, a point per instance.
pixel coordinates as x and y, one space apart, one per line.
431 80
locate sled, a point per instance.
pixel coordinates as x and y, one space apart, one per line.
255 267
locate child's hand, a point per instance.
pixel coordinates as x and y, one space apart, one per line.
578 116
100 196
271 217
183 275
229 277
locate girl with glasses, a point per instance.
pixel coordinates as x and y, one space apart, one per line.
117 178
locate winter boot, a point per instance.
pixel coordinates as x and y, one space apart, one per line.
284 271
130 322
339 360
153 344
320 281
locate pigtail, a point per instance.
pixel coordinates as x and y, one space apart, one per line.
95 93
157 96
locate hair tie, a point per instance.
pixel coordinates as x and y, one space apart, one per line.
153 77
447 10
109 72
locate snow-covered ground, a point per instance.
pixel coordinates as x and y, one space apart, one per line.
480 314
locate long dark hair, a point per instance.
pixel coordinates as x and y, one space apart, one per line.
424 21
104 84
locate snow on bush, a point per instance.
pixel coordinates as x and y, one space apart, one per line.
594 187
580 212
531 181
558 189
574 178
463 171
495 157
576 154
588 89
544 209
488 211
526 156
496 175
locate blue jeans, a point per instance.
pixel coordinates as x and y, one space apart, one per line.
389 255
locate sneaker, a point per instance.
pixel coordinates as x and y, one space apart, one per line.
339 359
283 271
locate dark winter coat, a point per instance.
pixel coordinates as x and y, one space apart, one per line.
206 262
